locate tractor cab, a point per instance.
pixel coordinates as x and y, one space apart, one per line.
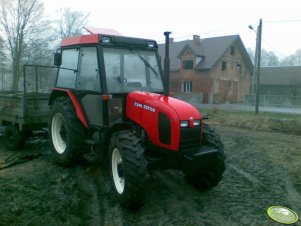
100 67
109 64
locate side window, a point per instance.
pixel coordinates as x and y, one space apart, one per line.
68 69
88 75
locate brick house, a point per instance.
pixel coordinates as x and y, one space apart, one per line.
211 70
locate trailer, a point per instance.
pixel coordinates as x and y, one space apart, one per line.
25 111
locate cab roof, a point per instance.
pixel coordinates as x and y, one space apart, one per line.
109 40
78 40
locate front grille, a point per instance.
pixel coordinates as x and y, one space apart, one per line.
190 137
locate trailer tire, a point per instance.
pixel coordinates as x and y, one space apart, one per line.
210 173
13 138
128 169
66 132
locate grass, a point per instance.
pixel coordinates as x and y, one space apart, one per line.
282 122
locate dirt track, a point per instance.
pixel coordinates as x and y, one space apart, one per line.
263 169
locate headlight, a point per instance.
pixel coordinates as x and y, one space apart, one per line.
184 123
187 123
197 122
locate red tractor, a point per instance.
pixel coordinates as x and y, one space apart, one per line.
111 103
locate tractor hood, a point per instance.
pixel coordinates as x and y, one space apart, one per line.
157 102
160 116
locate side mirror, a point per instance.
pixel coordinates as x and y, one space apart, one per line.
57 59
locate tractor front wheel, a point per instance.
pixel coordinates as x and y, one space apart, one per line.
209 171
128 169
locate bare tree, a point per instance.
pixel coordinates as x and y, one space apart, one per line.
2 51
267 58
22 25
71 23
2 63
292 60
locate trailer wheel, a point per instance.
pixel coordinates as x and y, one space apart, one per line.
128 169
14 138
210 170
66 132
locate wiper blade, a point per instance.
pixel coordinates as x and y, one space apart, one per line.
146 63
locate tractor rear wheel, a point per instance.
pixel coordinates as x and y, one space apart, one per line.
66 132
13 138
208 174
128 169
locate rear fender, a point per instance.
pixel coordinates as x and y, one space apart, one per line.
57 92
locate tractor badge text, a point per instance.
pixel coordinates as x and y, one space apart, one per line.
146 107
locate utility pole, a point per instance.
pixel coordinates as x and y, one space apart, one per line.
254 70
257 63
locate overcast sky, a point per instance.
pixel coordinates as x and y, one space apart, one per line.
149 19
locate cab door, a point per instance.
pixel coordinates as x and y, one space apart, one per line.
88 85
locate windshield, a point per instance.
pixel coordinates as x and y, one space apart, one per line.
131 70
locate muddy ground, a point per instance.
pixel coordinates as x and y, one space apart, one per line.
263 169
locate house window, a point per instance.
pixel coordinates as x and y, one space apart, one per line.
187 87
238 68
224 65
187 64
232 50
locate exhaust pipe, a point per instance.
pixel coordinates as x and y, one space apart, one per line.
166 63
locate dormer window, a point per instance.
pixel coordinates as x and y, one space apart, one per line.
187 64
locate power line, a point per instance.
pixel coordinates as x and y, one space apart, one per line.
282 21
275 50
203 33
279 21
231 27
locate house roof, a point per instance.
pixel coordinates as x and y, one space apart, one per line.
212 49
287 75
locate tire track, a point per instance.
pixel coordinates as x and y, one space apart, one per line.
293 196
92 212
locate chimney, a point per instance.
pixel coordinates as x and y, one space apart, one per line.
196 40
